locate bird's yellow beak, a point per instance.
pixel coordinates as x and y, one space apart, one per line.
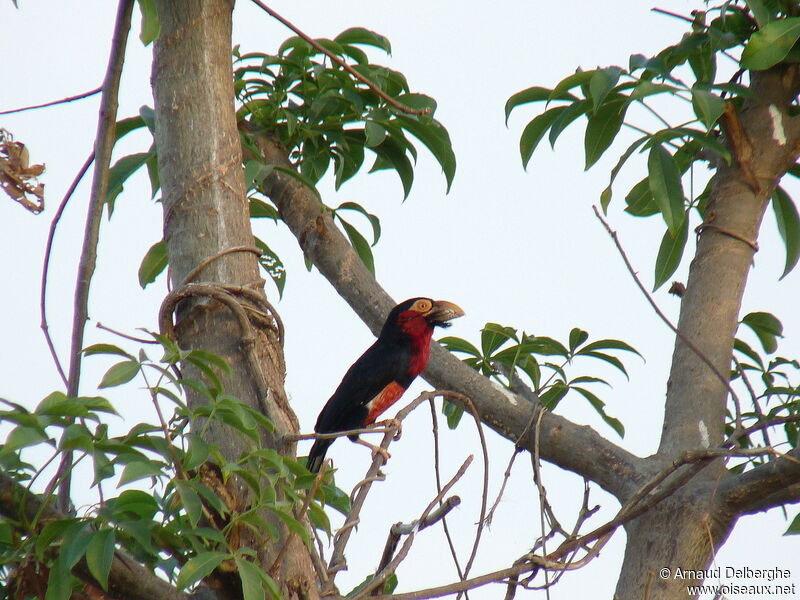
442 312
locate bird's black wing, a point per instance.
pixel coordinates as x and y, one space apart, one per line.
382 364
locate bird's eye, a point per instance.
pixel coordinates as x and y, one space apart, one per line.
422 306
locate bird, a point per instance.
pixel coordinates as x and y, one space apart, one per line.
383 373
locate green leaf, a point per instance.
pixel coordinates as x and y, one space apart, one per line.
197 453
59 582
453 413
135 503
576 338
255 172
272 264
22 437
364 37
391 155
457 344
435 137
670 253
261 210
534 132
190 500
105 349
771 44
360 245
125 126
601 83
788 226
100 555
120 373
151 27
373 220
533 94
578 78
794 526
599 406
119 174
612 360
252 588
767 327
665 185
707 106
603 127
553 395
494 335
198 567
607 344
605 196
575 110
760 12
374 134
153 264
138 469
640 201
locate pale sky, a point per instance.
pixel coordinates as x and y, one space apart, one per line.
509 246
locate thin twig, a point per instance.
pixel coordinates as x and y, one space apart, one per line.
337 561
54 102
398 530
207 261
319 48
537 477
725 381
753 398
382 575
46 265
125 335
104 145
438 476
466 401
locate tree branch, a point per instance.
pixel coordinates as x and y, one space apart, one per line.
104 145
764 487
127 580
54 102
577 448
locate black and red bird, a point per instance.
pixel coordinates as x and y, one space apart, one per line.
378 379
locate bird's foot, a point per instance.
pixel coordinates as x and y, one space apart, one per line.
395 424
375 449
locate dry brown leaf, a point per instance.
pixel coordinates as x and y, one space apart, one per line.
18 178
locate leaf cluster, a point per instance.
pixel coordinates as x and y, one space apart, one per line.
751 36
543 361
188 526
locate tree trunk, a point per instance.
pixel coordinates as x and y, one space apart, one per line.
206 213
685 531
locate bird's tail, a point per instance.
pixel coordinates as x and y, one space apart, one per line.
317 454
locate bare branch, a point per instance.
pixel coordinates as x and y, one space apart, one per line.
398 530
381 576
438 477
725 380
104 144
54 102
46 265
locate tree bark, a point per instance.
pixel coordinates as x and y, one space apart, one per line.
205 213
685 532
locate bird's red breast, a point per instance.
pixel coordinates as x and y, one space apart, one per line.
387 396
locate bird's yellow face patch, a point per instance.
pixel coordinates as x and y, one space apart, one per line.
422 306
